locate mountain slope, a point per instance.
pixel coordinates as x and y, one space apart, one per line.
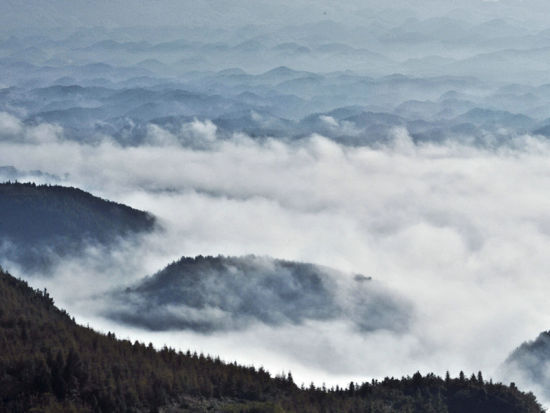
530 363
50 364
40 222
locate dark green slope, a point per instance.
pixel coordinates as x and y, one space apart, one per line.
50 364
38 222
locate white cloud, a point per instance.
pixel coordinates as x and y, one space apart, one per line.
329 121
44 133
9 125
159 136
201 131
12 129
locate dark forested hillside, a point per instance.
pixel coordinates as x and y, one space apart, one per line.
50 364
41 221
224 293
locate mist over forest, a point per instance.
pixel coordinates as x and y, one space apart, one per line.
348 191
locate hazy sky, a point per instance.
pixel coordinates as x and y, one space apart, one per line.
224 13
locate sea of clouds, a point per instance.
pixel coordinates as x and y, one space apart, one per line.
461 232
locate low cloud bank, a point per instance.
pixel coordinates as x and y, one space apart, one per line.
461 232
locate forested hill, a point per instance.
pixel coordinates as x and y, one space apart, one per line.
50 364
529 363
40 221
229 293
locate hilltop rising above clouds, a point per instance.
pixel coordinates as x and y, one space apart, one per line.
228 293
41 224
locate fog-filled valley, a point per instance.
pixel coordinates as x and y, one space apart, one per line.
344 191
